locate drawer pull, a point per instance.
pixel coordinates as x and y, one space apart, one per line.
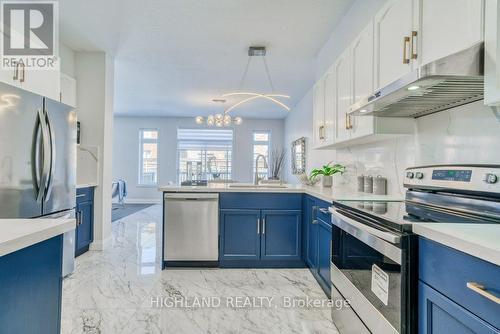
325 211
480 289
80 195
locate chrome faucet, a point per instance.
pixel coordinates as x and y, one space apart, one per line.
256 177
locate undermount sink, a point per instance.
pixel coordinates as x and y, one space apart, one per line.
256 186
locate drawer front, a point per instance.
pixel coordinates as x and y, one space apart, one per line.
448 271
438 314
260 201
84 195
323 214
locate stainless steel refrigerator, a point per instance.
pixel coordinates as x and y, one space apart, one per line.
37 160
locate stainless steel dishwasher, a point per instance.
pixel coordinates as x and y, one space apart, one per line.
191 232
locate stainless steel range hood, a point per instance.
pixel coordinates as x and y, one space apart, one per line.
449 82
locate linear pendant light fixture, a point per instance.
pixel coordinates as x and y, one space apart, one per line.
247 96
257 51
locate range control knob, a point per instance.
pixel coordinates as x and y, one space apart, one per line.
410 175
490 178
419 175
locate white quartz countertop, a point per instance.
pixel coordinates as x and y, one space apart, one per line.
326 194
479 240
16 234
86 185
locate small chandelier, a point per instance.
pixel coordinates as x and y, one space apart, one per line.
218 120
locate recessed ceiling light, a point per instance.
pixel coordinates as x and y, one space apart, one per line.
413 88
363 111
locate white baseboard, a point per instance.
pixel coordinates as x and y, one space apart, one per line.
100 245
140 201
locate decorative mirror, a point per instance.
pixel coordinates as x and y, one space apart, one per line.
299 156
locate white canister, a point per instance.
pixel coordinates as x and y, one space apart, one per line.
361 183
380 185
368 184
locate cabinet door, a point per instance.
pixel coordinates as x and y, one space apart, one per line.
7 76
438 314
281 235
318 112
492 53
393 27
343 96
324 251
330 104
240 234
31 288
42 82
84 231
312 236
442 35
362 79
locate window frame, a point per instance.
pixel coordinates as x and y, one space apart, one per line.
261 142
142 141
204 156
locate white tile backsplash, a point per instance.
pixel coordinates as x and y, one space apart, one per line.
468 134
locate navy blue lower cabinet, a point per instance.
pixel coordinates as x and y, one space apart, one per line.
31 289
324 254
454 274
312 232
240 234
260 230
438 314
281 235
84 233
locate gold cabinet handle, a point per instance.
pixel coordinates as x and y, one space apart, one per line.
406 42
23 77
16 72
414 41
321 132
349 122
480 289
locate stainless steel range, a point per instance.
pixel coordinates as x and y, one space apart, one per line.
374 253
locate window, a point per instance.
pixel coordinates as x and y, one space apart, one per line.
148 156
261 145
204 154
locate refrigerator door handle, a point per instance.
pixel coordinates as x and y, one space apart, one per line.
52 145
45 156
35 158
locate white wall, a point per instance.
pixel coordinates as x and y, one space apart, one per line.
465 134
94 72
67 56
126 150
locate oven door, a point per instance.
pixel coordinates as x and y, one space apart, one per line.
369 272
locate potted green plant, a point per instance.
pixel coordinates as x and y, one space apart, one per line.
327 172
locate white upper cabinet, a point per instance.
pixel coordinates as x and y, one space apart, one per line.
393 26
42 82
68 90
492 54
330 105
9 77
343 96
362 78
449 26
319 113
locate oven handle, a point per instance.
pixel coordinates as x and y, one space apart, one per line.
392 238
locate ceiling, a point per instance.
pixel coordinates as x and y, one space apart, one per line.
174 56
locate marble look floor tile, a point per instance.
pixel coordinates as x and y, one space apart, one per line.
114 291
